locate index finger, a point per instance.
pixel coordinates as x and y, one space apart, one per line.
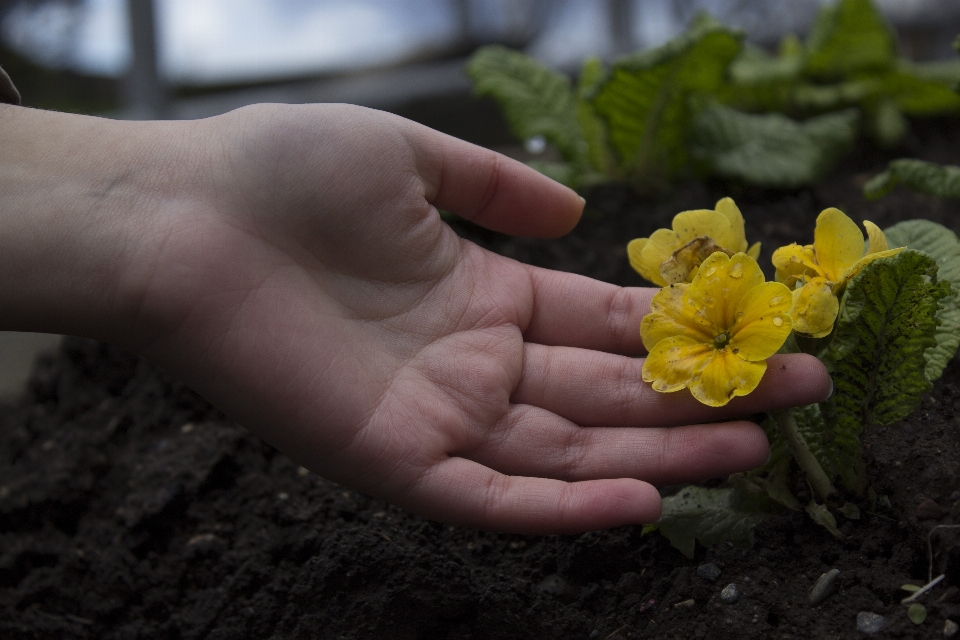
489 188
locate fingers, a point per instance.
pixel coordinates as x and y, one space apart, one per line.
531 441
590 388
490 189
462 492
576 311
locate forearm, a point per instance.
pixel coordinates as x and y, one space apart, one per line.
78 198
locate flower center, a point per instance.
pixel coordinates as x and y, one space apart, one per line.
721 340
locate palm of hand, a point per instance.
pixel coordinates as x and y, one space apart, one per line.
325 305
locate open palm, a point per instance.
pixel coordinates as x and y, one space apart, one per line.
310 289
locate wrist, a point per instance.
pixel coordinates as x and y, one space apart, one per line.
81 202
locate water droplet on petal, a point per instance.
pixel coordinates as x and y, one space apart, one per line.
710 271
775 300
736 270
777 321
739 314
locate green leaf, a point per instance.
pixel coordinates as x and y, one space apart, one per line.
917 613
850 37
707 515
536 100
887 321
594 130
944 247
912 588
646 100
926 177
822 516
921 91
884 122
771 150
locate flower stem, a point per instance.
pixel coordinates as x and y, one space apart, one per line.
801 452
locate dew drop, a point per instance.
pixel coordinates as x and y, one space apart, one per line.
710 271
739 314
774 301
736 270
777 321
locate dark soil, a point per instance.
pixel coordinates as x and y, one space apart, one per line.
129 508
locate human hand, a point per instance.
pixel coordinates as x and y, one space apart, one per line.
291 266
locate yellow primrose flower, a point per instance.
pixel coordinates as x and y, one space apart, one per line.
818 273
714 334
673 255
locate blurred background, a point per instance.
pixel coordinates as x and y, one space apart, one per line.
197 58
185 59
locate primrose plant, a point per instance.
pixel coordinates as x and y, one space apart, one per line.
879 311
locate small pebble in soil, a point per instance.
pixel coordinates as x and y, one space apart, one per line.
708 571
553 584
929 510
950 628
730 594
823 587
686 604
869 622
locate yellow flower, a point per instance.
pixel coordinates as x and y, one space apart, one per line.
670 256
818 273
714 335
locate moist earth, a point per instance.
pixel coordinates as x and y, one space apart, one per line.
130 508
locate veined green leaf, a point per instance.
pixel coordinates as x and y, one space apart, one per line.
771 150
927 177
944 247
847 38
822 516
645 102
536 100
707 515
754 66
887 321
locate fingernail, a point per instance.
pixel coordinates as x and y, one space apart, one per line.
830 395
769 457
583 201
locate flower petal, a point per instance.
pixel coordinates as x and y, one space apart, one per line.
720 284
754 251
685 262
705 222
864 261
878 241
793 261
837 242
725 376
731 211
765 323
815 308
675 361
669 317
659 248
635 254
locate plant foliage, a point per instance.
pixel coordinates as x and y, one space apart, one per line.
705 102
926 177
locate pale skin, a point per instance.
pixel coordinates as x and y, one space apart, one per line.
289 263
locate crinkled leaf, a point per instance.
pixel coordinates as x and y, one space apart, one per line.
754 66
536 100
771 150
919 175
707 515
944 247
646 100
849 37
887 321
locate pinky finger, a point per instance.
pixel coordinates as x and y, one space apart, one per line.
459 491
